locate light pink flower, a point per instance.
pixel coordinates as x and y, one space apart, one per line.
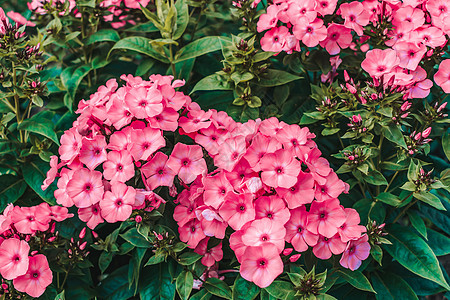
325 217
351 229
116 204
263 232
409 17
37 278
332 188
157 172
296 232
118 166
355 16
327 246
355 252
280 169
272 208
210 256
410 54
338 37
298 10
187 161
13 258
216 188
70 145
91 215
25 221
275 39
310 33
379 62
19 19
145 142
326 7
93 151
238 209
144 102
85 188
230 153
269 19
191 233
442 76
302 192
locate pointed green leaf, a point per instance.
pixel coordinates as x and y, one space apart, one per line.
439 243
141 45
393 133
218 287
274 77
392 287
357 279
184 284
11 189
245 290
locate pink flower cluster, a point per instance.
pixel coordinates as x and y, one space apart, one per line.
29 271
419 29
269 182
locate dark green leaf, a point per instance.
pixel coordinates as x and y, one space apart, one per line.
390 286
203 294
357 279
134 268
389 198
103 35
200 47
439 218
218 287
182 18
281 290
115 286
439 243
40 125
430 199
72 76
414 254
11 189
157 283
156 259
393 133
185 282
212 82
417 223
375 177
274 77
34 173
446 144
244 289
105 260
377 253
134 237
188 258
141 45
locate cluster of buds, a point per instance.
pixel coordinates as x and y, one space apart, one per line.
357 156
8 292
162 241
402 112
437 112
9 35
77 250
417 140
310 285
292 258
327 106
424 178
356 124
376 233
246 11
29 52
351 87
35 87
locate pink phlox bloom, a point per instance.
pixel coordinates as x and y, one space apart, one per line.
318 166
91 215
310 33
269 19
374 8
191 233
240 174
116 204
210 256
118 166
351 229
379 62
93 151
60 194
157 172
326 7
236 243
173 100
230 153
119 114
421 86
302 192
299 10
143 102
211 139
252 185
356 251
120 140
442 76
4 21
70 145
187 161
185 211
398 34
294 138
410 54
37 278
280 169
145 142
296 232
247 130
58 213
275 39
272 208
338 37
261 265
332 188
25 221
222 121
167 120
263 232
51 173
13 258
355 16
85 187
327 246
438 8
326 217
409 17
5 218
237 209
135 3
196 120
216 188
283 7
259 147
430 36
212 222
271 126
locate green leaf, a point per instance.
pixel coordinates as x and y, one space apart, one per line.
430 199
390 286
105 260
188 258
212 82
156 283
245 290
218 287
393 133
86 3
357 279
439 243
182 18
440 219
417 223
184 284
115 285
11 189
141 45
103 35
39 124
203 294
34 173
274 77
375 177
61 296
134 237
414 254
329 131
413 171
262 56
446 144
389 198
72 76
281 290
200 47
377 253
156 259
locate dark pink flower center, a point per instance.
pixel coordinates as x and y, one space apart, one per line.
35 274
87 187
279 170
264 238
262 262
242 208
119 202
193 229
17 258
119 167
300 229
322 215
352 18
270 215
351 250
381 68
142 103
161 171
185 162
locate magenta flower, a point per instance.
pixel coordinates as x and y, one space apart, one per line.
379 62
332 188
238 209
263 232
187 161
191 233
259 147
37 277
325 217
167 120
157 172
119 113
294 138
93 152
327 246
296 232
85 188
355 16
117 204
210 256
355 252
310 33
411 18
261 265
338 37
216 188
196 120
118 166
410 54
275 39
272 208
13 258
269 19
280 169
442 76
25 221
145 142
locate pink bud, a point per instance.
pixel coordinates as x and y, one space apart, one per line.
404 115
52 230
351 157
287 251
82 246
411 152
94 234
4 286
422 171
69 251
82 233
51 239
33 253
351 88
346 77
429 52
294 257
173 191
405 106
138 219
71 240
374 96
418 136
426 132
443 105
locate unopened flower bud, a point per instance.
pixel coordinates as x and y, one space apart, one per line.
294 257
287 251
443 105
82 233
138 219
82 246
426 132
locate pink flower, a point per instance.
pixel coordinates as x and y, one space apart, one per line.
339 37
300 193
52 173
302 10
191 233
144 102
263 232
210 139
185 211
25 221
296 232
409 17
326 7
355 252
280 169
157 172
116 204
167 120
442 76
187 161
332 188
351 229
70 145
327 246
240 174
13 258
310 33
216 188
91 215
430 36
212 222
410 54
19 19
145 142
275 39
60 194
355 16
238 209
294 138
261 265
196 120
118 166
272 208
231 152
119 113
379 62
325 217
36 279
85 188
93 152
210 256
269 19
